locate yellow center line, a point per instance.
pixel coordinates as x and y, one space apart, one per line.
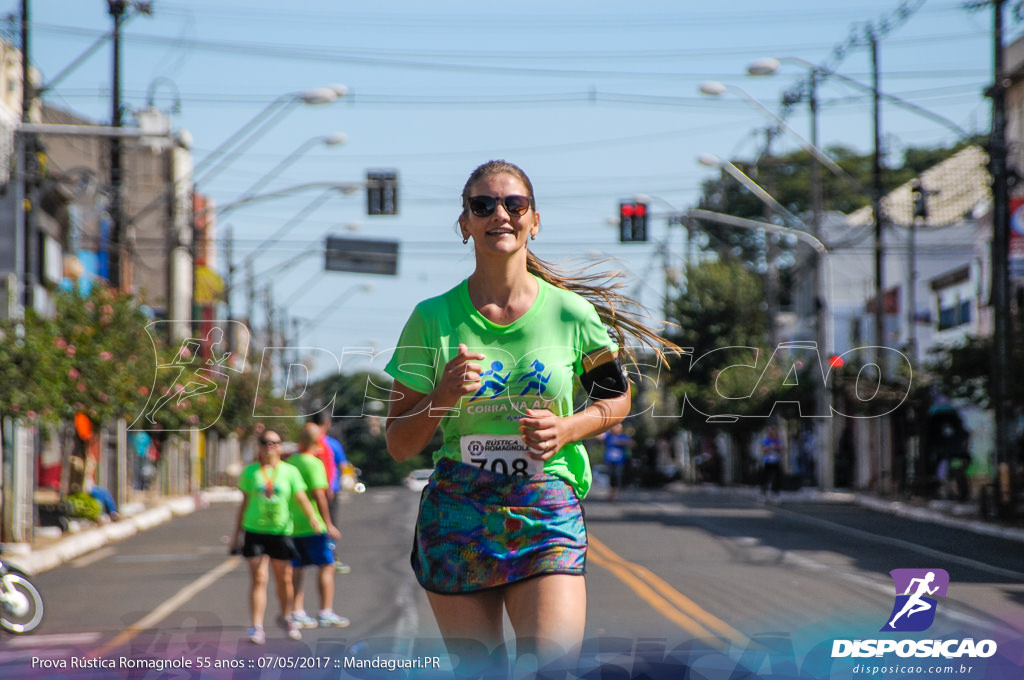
168 606
665 599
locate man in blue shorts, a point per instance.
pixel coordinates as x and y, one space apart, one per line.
315 549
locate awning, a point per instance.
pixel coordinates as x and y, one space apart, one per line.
209 287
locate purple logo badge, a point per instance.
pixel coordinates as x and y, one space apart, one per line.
916 590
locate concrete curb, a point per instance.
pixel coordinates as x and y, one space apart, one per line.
76 545
929 515
945 516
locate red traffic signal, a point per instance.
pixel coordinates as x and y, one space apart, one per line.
632 221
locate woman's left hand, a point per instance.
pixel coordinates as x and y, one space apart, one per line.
543 432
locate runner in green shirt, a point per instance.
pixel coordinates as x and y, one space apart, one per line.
493 363
265 516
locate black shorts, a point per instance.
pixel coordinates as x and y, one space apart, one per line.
276 547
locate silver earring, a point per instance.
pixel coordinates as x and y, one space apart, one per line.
465 240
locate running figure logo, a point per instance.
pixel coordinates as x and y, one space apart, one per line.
535 379
914 609
492 380
189 375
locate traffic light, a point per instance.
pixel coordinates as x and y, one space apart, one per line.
381 192
632 221
919 199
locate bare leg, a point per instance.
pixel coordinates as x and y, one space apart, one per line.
283 583
298 596
471 625
326 587
549 615
259 573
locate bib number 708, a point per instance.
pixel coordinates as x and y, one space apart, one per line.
519 466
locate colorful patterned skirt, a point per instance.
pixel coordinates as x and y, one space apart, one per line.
478 529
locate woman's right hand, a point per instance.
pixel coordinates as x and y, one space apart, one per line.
460 377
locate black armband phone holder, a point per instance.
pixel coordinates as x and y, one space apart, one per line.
605 381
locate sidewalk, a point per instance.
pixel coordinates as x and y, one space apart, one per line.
947 513
47 553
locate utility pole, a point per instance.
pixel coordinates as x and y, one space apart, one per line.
1000 270
823 430
876 198
876 209
30 172
118 248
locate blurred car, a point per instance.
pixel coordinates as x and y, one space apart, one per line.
417 479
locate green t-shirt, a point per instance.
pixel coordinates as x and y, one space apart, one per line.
530 363
270 492
315 477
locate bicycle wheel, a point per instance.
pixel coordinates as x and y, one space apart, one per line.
21 605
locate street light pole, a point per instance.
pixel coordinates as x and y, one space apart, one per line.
823 281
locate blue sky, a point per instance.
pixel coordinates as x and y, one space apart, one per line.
598 101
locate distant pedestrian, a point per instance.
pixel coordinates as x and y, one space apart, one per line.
771 461
315 548
617 445
265 516
343 473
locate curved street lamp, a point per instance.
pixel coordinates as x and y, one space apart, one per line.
265 119
714 88
333 139
770 65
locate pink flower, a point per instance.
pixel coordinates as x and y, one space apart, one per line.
80 386
107 310
144 390
193 420
106 356
61 343
102 397
31 415
185 352
73 373
71 350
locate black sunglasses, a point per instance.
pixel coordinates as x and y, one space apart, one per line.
484 206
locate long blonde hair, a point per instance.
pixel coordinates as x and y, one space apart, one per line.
601 289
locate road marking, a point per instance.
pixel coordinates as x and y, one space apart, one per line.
167 557
168 606
52 640
44 646
665 599
93 557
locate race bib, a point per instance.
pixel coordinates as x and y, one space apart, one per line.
502 454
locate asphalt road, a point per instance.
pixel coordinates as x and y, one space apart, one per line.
711 576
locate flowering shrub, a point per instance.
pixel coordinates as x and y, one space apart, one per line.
95 357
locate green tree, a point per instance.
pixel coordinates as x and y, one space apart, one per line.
964 370
722 318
